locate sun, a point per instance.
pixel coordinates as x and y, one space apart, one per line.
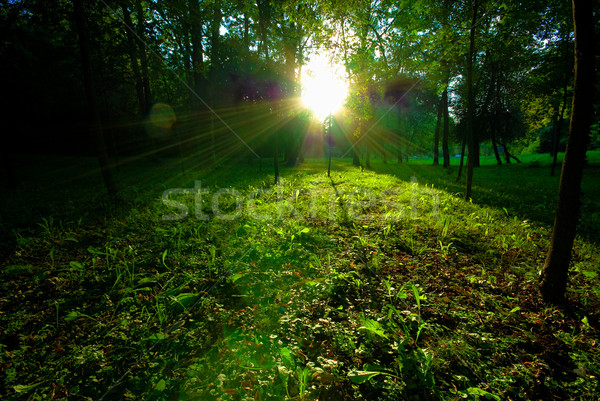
323 89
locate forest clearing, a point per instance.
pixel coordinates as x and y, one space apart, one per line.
117 303
299 200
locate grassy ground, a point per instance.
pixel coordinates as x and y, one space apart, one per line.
365 285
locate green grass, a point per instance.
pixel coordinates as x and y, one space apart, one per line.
368 284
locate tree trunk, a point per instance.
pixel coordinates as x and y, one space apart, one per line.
495 147
436 139
197 49
143 56
90 91
264 16
553 279
355 157
506 152
554 145
508 155
445 148
246 37
132 49
328 158
561 116
215 34
276 158
401 125
556 136
462 158
470 105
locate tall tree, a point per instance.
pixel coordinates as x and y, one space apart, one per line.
436 139
145 68
557 120
554 275
132 49
90 90
195 23
446 128
470 134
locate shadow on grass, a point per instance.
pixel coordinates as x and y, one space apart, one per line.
525 190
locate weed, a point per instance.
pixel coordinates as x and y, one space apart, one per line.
293 308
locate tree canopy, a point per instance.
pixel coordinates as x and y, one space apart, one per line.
221 65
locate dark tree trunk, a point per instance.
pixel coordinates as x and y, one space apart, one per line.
508 155
554 145
215 25
462 158
328 158
290 51
495 147
329 138
355 157
557 129
246 37
445 148
276 158
561 116
553 280
471 161
495 115
132 49
197 49
436 139
399 140
264 16
145 71
90 90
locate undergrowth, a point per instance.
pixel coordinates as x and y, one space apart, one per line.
355 286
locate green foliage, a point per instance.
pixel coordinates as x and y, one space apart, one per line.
441 302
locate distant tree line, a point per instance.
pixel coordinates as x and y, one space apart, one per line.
434 78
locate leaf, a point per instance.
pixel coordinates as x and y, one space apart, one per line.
95 251
589 274
235 277
76 265
515 309
164 255
185 299
361 376
374 327
147 280
74 315
157 337
479 392
23 388
161 385
287 356
373 368
417 297
305 230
